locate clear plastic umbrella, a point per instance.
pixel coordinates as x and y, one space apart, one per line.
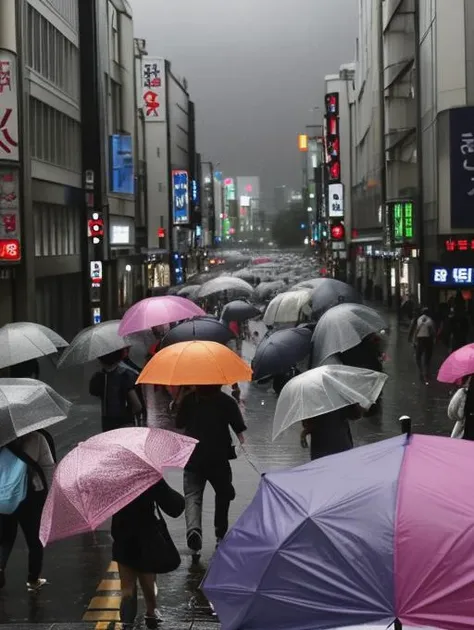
27 405
286 308
325 389
92 343
225 283
342 328
23 342
58 341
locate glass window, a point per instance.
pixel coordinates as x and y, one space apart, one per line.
37 228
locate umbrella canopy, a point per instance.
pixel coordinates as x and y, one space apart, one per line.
53 336
280 351
378 533
286 307
225 283
104 474
93 342
23 342
328 292
27 405
157 311
342 328
459 364
202 329
239 311
249 275
265 289
195 363
190 291
325 389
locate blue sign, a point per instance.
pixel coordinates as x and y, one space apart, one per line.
461 139
180 181
198 231
195 192
121 165
218 175
452 276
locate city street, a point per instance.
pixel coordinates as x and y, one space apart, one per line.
83 585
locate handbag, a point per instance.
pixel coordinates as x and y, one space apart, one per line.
168 553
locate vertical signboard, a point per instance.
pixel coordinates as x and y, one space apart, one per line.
180 186
153 89
336 201
461 129
10 249
8 108
332 138
401 217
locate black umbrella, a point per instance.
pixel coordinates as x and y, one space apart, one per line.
239 311
200 328
281 350
328 293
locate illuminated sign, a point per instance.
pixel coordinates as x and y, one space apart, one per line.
180 180
459 244
96 272
10 250
451 276
302 142
333 150
244 202
95 227
195 192
402 220
337 231
122 177
161 232
332 103
120 235
336 201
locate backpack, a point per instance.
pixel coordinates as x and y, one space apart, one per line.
15 477
13 481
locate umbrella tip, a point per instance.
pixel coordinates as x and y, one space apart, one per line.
405 423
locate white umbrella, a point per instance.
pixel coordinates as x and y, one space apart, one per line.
20 343
286 308
58 341
325 389
225 283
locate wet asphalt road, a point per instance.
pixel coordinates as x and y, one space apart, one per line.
83 591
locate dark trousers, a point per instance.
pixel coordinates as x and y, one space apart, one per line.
220 478
423 354
28 517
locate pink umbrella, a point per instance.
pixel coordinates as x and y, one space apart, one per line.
458 365
156 311
261 261
104 474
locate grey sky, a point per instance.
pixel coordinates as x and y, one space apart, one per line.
255 69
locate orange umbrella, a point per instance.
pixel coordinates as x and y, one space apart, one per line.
195 363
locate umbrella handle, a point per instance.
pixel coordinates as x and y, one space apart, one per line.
405 423
398 625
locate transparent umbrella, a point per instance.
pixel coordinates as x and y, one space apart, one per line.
225 283
27 405
92 343
286 308
23 342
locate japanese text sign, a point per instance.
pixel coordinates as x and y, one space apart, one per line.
180 186
451 276
9 215
10 250
153 89
461 129
8 107
402 220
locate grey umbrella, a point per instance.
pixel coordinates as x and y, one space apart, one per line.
23 342
92 343
58 341
239 311
190 291
328 292
27 405
200 328
225 283
342 328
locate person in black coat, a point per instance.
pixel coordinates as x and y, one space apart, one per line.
330 433
138 548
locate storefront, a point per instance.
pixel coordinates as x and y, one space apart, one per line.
158 274
449 282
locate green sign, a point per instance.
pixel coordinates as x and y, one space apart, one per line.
403 221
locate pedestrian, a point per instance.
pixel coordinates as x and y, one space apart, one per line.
143 548
330 433
280 380
115 386
235 393
27 369
35 451
206 415
235 328
458 327
423 335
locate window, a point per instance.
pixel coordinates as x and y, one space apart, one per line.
51 54
116 106
57 230
114 34
55 136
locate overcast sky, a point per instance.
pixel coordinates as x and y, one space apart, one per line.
255 69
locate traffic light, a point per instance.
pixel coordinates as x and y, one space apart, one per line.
338 231
96 228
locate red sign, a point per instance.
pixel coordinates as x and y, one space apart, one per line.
161 232
10 250
459 244
337 232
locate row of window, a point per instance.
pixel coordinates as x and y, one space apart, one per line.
68 10
52 55
57 230
54 137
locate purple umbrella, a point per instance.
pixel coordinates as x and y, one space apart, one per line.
378 533
156 311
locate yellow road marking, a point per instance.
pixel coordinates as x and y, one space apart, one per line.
101 615
105 603
109 585
113 568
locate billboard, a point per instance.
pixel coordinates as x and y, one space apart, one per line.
8 107
10 246
180 186
122 177
451 276
153 89
461 133
336 201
